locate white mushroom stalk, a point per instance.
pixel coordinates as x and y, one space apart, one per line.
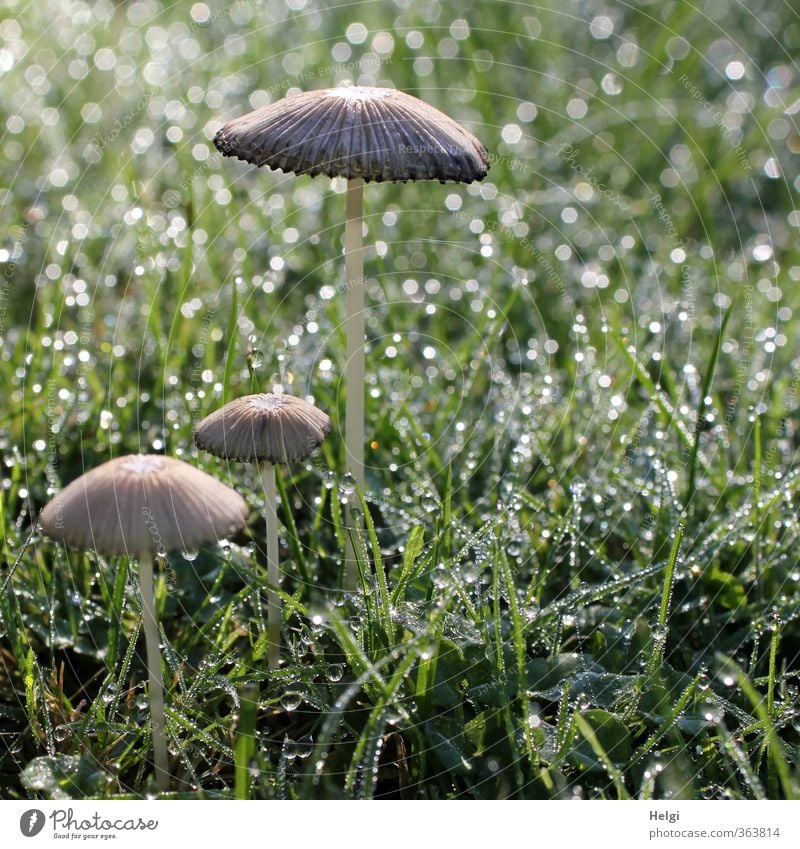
139 505
354 369
354 327
266 472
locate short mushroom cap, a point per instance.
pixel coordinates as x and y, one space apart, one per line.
356 131
275 428
143 503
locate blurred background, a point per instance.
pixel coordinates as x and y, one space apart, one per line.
642 180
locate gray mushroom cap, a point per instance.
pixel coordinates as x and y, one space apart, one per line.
378 134
270 427
143 503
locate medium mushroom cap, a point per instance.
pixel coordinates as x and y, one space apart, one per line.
143 503
275 428
356 131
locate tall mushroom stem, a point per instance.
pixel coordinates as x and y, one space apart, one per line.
354 326
266 472
152 642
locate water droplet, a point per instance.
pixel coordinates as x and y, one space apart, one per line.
303 748
291 700
430 503
190 554
347 487
335 671
60 732
513 549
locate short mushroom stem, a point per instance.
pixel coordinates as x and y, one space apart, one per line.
266 472
354 376
152 641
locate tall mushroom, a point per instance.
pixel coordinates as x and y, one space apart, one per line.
266 429
361 133
140 505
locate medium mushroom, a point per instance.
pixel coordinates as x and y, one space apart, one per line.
266 429
140 505
361 133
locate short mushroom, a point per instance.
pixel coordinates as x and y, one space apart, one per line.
265 429
361 133
140 505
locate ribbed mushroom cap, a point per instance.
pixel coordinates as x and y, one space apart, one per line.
143 503
356 131
275 428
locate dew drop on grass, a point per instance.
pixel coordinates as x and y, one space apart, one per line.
334 672
291 700
329 479
429 503
190 555
347 485
659 635
304 748
60 733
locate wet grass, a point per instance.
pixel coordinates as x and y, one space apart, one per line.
578 565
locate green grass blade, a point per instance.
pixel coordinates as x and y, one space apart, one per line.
775 750
245 745
708 379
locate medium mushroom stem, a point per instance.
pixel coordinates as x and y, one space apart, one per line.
354 268
266 472
354 372
152 641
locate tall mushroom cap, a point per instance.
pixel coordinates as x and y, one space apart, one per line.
356 131
143 503
275 428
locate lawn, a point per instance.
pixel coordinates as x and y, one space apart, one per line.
578 564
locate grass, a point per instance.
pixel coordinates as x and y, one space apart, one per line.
578 564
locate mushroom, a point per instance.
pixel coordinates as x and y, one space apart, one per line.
140 505
361 133
265 429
